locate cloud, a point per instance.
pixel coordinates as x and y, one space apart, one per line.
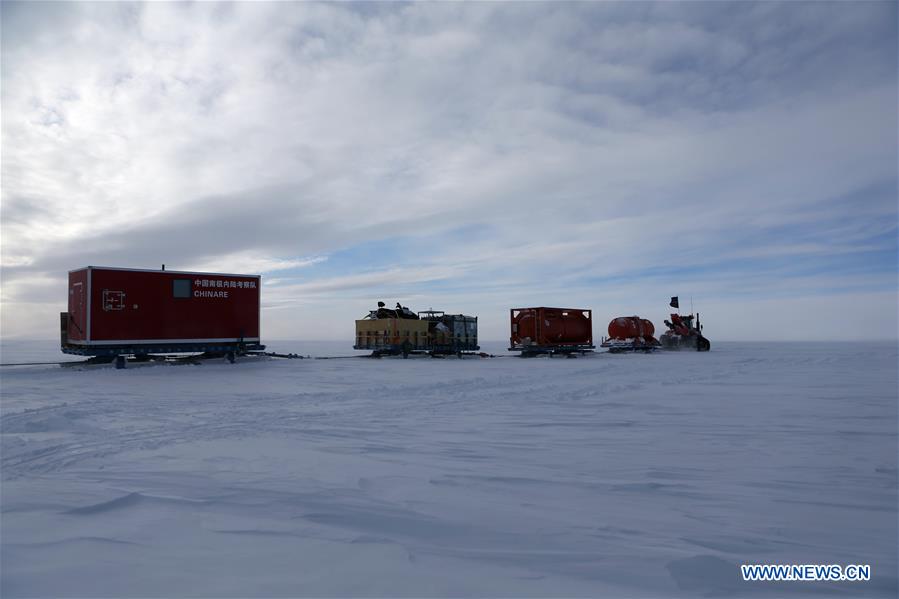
745 147
256 263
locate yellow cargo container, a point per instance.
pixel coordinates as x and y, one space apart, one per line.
394 335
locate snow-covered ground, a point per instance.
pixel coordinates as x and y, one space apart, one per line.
615 475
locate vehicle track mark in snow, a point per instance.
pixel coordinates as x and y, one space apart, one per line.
128 501
75 540
262 533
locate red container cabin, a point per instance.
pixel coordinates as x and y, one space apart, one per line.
125 311
551 330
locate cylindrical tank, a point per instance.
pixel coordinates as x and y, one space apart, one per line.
554 326
630 327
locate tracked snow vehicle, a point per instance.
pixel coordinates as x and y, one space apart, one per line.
683 333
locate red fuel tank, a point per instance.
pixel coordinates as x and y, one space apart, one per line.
631 327
551 327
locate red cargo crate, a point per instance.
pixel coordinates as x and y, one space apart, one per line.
551 330
123 310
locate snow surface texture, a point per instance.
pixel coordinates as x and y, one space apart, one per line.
611 475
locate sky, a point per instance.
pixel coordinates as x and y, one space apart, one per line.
466 157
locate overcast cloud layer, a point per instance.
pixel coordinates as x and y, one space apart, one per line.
465 157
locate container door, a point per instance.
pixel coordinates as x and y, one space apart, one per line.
77 311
